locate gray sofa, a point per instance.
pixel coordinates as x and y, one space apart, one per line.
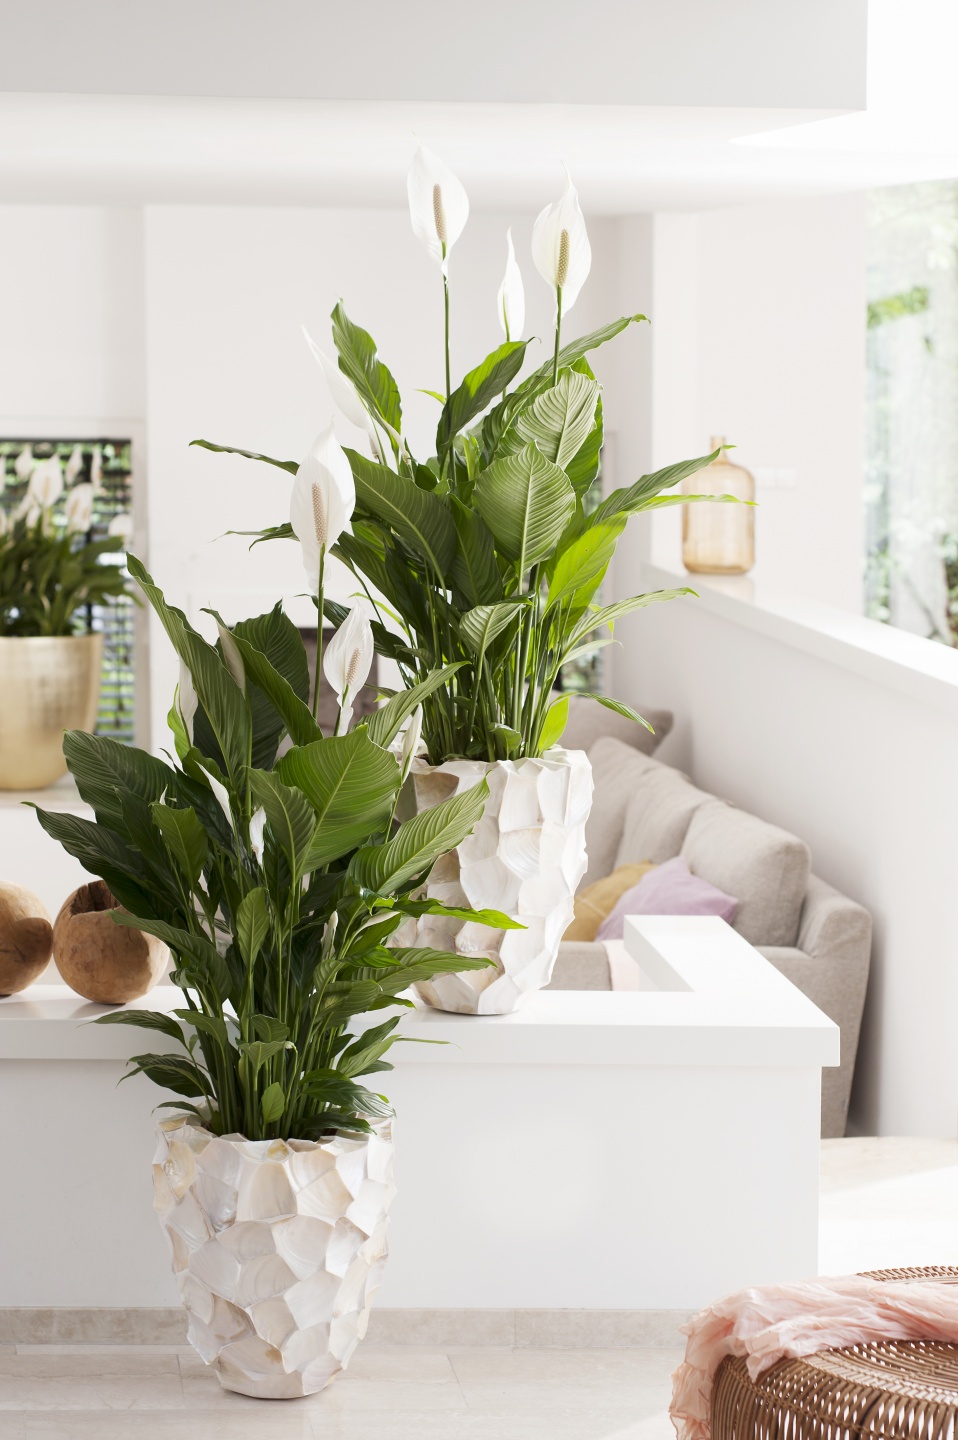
644 810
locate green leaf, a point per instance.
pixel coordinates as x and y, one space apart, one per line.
102 852
101 767
619 706
181 942
494 918
252 924
474 568
146 1020
557 717
267 1027
581 566
350 784
509 739
526 501
185 839
296 714
481 625
289 816
359 361
600 615
480 387
171 1072
276 638
559 419
632 499
419 517
272 1103
290 466
576 349
385 724
222 700
583 468
658 501
419 842
257 1053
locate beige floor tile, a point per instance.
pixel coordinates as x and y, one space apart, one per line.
603 1329
577 1368
275 1422
399 1362
91 1392
203 1392
442 1328
106 1362
467 1425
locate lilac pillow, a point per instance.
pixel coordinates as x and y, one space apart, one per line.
669 889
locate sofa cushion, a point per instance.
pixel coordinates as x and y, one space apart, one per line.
594 902
766 868
668 889
658 815
590 722
617 772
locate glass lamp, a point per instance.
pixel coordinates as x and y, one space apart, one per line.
719 539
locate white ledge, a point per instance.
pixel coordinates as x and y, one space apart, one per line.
717 1002
922 669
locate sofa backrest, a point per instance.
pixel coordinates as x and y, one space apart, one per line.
589 722
643 810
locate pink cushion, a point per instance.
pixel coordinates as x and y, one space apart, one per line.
669 889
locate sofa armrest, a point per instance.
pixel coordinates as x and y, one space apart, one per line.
833 926
581 965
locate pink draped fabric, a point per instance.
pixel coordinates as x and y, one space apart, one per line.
779 1322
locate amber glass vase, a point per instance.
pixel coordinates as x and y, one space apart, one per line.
719 539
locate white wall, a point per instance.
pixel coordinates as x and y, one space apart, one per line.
758 333
864 769
71 312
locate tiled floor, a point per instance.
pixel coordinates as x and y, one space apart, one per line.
388 1393
884 1202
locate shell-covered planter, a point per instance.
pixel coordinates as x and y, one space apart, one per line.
525 858
278 1248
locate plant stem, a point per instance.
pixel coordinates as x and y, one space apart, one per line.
445 291
319 632
555 358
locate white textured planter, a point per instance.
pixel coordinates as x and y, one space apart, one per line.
525 857
277 1249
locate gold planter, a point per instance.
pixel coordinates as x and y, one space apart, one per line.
48 684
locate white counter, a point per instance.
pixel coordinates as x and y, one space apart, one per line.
594 1150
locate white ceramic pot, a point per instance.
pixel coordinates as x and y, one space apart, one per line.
278 1248
525 858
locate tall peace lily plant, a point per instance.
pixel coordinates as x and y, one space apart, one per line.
276 883
484 562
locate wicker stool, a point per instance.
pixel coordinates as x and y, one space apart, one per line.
906 1389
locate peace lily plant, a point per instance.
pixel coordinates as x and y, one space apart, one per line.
486 558
278 883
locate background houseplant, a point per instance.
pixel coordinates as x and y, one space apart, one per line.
276 884
488 557
52 576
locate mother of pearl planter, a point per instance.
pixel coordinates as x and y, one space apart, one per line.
99 959
278 1248
525 858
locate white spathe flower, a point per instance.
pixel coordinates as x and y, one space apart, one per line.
438 204
122 525
96 468
74 466
323 499
24 463
512 296
348 661
256 822
341 388
46 483
560 246
221 794
79 507
231 656
410 740
187 699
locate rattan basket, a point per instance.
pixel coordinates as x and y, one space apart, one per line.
902 1389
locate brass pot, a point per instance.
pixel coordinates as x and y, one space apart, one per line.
48 684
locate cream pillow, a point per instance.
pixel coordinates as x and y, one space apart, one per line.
599 899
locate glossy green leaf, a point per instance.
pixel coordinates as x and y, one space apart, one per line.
290 466
480 387
185 839
480 626
359 361
419 842
296 715
101 767
580 566
526 501
559 419
252 924
474 568
618 706
419 517
351 786
632 498
289 816
601 615
272 1103
557 717
385 724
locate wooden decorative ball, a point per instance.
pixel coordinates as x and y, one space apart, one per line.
100 960
26 938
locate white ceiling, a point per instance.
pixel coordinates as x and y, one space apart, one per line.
626 158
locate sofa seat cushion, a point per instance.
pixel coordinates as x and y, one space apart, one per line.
766 868
594 902
590 722
617 773
658 815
